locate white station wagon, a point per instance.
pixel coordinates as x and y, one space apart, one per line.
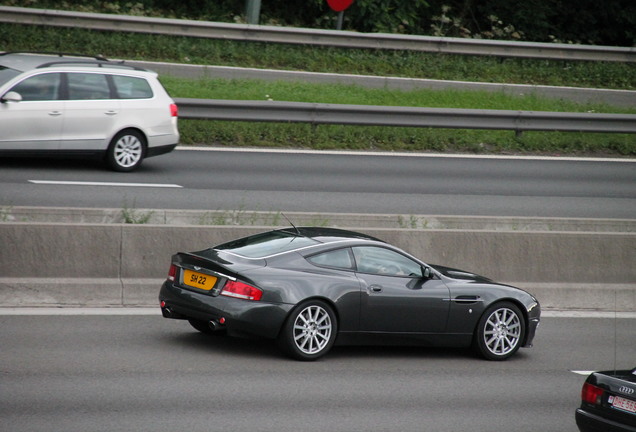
70 105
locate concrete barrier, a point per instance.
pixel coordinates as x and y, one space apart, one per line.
45 264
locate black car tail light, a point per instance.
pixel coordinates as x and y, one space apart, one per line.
241 290
591 394
172 273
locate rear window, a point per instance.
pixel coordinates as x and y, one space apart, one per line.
132 87
266 244
88 86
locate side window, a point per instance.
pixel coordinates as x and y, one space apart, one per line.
340 258
132 87
381 261
88 86
39 87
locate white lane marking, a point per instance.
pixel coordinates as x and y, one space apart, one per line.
79 183
402 154
582 372
586 314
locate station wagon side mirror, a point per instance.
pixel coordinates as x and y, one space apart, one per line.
11 97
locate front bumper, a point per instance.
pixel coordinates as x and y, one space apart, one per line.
241 317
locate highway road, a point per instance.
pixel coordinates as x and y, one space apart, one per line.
231 179
64 371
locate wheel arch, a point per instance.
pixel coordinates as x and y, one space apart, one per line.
326 300
132 129
516 302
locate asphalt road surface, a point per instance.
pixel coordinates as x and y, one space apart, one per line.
146 373
332 182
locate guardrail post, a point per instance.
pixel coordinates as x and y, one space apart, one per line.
253 11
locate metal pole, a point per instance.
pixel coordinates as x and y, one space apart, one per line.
252 11
340 19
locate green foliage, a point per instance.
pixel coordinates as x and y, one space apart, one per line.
609 22
319 59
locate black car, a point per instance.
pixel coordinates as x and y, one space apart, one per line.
309 288
608 402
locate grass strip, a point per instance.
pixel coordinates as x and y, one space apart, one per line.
15 37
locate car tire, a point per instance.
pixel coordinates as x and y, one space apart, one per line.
310 331
126 151
500 331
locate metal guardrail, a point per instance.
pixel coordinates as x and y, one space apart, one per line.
371 115
290 35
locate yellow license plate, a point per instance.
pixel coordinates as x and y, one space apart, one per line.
198 280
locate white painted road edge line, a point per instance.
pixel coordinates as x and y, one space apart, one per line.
71 310
401 154
80 183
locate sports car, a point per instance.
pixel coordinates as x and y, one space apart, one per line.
608 402
310 288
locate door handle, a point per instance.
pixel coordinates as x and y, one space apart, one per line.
111 112
375 288
55 113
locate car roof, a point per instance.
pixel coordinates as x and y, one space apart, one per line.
328 235
281 241
25 61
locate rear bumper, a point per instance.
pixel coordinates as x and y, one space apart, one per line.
159 150
242 317
588 422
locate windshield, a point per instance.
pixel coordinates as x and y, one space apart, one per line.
6 74
266 244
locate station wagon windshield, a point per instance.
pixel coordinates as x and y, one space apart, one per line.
7 73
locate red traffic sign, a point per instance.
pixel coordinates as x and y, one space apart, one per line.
339 5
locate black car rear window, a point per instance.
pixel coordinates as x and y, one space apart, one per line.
266 244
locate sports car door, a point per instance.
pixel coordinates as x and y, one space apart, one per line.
396 298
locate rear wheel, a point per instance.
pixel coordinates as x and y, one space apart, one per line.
309 332
126 151
500 331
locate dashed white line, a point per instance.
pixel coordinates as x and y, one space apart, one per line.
80 183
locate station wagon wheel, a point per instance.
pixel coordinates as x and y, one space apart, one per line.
126 151
309 332
500 331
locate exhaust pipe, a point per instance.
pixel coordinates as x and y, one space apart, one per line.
217 325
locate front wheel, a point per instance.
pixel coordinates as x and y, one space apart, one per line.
500 331
309 332
126 151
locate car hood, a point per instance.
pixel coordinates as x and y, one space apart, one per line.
460 274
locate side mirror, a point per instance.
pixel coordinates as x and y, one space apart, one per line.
11 97
426 272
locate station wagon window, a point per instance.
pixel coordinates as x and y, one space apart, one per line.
41 87
132 87
382 261
339 258
88 86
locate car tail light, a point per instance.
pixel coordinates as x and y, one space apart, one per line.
241 290
591 394
172 273
174 110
